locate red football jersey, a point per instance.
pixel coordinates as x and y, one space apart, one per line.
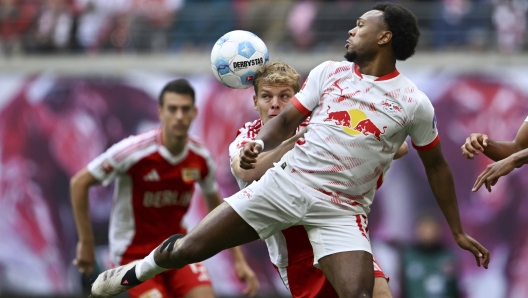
153 190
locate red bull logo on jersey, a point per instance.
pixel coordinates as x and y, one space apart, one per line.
341 118
367 127
355 122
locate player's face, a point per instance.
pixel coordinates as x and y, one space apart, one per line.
177 113
362 43
271 100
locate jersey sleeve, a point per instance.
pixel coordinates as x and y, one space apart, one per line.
242 138
106 166
307 99
208 184
423 130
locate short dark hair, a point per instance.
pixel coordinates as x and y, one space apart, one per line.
180 86
404 27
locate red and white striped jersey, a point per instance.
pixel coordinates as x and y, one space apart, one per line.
153 190
247 134
288 246
357 123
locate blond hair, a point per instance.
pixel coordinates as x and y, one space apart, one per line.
277 72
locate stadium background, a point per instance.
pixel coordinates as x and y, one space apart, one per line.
77 76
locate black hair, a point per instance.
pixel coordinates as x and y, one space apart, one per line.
180 86
404 27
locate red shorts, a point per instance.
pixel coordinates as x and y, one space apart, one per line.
172 283
305 281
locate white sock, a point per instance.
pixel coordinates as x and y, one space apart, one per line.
147 268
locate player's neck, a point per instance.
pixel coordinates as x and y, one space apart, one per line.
175 145
377 67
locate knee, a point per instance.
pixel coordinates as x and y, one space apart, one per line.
355 292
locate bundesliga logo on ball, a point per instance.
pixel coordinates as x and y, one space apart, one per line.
235 58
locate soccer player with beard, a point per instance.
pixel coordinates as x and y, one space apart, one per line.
290 250
361 111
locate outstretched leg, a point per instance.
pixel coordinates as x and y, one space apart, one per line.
220 229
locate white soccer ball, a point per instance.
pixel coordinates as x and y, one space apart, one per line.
235 58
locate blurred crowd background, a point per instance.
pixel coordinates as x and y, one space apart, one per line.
79 75
29 27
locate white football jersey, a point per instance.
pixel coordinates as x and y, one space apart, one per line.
248 134
290 245
356 126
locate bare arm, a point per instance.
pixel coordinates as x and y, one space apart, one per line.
242 269
272 134
503 167
443 187
402 151
79 186
496 150
265 160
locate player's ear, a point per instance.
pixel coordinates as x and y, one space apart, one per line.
160 111
385 38
195 112
255 102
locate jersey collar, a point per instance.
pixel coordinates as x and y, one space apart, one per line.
166 154
388 76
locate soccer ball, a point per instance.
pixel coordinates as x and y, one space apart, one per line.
236 57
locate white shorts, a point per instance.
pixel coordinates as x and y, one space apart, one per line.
277 202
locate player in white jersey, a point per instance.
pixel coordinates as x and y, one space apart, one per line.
155 173
290 250
507 155
361 112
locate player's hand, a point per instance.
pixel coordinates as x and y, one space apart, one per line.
481 254
85 259
493 172
245 274
474 144
248 155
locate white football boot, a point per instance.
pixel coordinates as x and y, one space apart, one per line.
112 282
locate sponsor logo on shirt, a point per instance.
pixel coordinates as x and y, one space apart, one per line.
355 122
152 176
434 124
163 198
190 174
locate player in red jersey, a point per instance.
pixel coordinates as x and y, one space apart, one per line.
361 111
290 250
155 173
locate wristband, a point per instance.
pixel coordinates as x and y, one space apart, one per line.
260 142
